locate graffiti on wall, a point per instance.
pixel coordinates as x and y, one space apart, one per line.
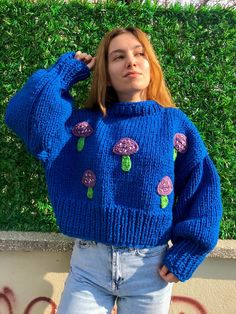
196 306
8 300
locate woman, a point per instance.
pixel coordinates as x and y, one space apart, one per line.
125 175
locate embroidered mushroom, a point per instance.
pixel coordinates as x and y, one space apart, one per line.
180 144
89 180
126 147
164 188
82 130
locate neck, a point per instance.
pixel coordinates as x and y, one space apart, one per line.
135 97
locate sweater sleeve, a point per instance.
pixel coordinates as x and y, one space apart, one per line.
197 211
38 112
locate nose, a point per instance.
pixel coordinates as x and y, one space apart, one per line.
131 62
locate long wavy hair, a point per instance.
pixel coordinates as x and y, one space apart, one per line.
102 95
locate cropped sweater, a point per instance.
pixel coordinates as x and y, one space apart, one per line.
137 178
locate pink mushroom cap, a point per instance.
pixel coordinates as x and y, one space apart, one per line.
89 178
165 187
180 142
125 147
82 129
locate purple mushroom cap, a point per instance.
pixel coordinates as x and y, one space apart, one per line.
125 147
165 187
89 178
180 142
82 129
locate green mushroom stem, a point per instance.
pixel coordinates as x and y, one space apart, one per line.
175 154
80 144
126 163
90 193
164 201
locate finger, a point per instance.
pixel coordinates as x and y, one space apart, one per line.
87 59
166 275
82 56
85 55
162 276
78 54
171 278
163 270
91 64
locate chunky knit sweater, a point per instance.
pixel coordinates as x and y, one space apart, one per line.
137 178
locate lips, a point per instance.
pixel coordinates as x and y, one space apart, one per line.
132 74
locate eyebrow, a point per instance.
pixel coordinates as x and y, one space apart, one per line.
121 50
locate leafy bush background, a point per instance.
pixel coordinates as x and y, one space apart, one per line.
196 51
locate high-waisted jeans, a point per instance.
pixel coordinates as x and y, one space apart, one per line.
102 275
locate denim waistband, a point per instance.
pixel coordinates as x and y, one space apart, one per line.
83 243
89 242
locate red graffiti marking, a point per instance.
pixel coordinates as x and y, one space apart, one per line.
195 304
8 298
8 303
45 299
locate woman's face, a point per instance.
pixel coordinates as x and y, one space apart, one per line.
128 68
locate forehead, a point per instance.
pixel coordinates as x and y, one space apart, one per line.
124 41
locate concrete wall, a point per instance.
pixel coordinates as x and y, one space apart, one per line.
34 266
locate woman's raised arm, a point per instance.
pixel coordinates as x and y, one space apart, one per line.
37 113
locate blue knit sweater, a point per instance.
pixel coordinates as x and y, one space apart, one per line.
138 178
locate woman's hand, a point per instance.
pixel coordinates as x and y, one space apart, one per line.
166 275
88 59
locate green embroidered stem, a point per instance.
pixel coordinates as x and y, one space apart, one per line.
175 154
90 193
80 144
126 163
164 201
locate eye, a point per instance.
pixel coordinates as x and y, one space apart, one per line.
119 57
140 54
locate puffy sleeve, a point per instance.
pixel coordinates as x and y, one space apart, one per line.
198 208
38 112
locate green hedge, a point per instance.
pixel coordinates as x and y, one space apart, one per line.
196 51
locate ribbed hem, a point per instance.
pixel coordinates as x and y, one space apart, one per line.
116 226
70 70
183 259
140 108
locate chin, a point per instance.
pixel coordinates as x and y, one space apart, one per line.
135 88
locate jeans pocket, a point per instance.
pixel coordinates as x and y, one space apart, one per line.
152 251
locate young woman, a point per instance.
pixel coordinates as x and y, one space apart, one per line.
125 175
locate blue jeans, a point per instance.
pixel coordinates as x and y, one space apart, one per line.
102 275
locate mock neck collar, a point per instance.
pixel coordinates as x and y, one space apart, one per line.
139 108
